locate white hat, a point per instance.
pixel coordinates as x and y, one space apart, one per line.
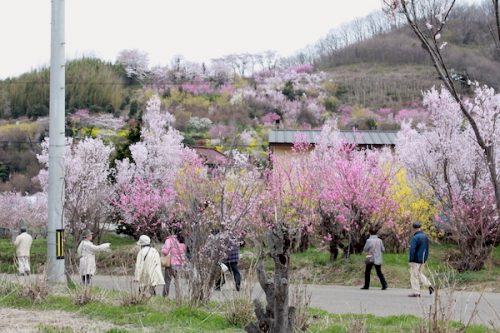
144 240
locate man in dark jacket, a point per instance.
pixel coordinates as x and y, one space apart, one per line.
419 252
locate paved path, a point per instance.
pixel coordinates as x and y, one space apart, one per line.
340 299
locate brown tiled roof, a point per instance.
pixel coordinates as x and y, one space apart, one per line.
209 155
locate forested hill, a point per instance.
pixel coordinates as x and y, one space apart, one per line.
381 61
369 74
90 83
374 60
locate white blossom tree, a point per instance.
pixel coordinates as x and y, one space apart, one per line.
87 186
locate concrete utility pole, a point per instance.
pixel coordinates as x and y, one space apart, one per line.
55 241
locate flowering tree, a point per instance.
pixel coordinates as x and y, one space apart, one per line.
87 185
353 191
16 208
135 63
295 95
415 203
213 210
285 211
428 23
157 159
447 158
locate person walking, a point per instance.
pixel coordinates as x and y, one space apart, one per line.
148 267
86 251
231 261
175 248
23 248
419 252
374 247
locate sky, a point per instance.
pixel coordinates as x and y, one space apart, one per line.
197 29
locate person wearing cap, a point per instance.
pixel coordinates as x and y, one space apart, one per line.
23 247
86 251
148 270
419 252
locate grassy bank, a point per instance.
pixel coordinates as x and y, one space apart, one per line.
160 315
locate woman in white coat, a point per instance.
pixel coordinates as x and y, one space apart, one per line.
148 271
86 251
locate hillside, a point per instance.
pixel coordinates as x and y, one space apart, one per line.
368 80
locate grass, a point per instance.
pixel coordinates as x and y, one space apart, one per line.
159 314
325 322
123 251
162 315
314 266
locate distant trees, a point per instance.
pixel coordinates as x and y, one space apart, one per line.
135 63
90 83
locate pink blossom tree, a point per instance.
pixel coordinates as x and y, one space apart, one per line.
285 211
353 191
157 159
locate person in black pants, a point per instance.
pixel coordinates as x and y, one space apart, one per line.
374 247
231 261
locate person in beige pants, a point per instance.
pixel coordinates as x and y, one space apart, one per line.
23 247
419 253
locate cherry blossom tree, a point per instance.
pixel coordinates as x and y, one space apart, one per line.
30 209
157 159
88 189
428 23
135 63
447 158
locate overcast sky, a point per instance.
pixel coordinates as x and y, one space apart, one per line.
198 29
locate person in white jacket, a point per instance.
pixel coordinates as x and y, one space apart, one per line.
86 251
23 247
148 270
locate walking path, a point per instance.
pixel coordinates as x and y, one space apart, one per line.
341 300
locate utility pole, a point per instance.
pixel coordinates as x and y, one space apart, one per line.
55 241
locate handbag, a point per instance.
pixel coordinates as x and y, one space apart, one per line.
166 261
370 259
224 267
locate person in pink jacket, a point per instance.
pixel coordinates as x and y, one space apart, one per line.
175 247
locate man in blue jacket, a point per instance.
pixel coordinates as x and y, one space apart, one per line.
419 252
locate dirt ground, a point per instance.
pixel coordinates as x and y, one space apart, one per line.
14 320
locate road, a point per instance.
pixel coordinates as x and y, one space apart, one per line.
341 300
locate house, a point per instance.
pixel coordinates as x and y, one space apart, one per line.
210 156
281 140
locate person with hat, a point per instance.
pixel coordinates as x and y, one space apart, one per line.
148 270
86 251
23 247
419 252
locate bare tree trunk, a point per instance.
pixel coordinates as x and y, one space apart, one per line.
278 316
